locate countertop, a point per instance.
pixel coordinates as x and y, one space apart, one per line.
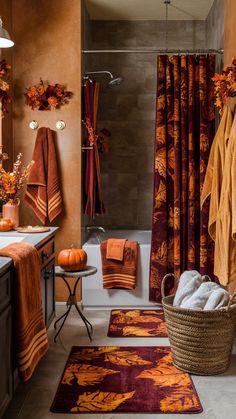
36 239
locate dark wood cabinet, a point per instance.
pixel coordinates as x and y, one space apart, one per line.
5 341
8 370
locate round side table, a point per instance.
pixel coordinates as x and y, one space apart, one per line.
66 275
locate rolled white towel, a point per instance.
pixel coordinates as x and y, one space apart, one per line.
217 299
198 300
189 282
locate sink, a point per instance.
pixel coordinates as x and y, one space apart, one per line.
5 241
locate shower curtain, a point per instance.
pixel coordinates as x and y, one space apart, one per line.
93 201
185 125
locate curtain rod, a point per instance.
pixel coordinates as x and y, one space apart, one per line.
154 51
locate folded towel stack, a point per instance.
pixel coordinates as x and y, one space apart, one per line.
195 293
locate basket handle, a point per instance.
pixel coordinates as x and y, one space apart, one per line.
231 299
163 282
206 278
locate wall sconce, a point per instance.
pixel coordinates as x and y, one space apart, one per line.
5 40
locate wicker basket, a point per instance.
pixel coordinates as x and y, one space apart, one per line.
201 341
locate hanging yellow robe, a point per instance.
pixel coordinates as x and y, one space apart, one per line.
220 185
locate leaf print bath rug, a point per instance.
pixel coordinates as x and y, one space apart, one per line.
137 323
103 379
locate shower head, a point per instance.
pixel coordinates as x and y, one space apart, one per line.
115 81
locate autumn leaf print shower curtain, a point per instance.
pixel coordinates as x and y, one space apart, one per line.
185 128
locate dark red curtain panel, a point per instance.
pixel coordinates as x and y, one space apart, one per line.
93 202
185 126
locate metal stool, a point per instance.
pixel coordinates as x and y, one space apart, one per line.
66 275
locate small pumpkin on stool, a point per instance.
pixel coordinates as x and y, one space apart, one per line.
72 259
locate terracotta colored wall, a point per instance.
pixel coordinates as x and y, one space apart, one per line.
229 32
47 45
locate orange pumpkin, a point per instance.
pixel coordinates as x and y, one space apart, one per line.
72 259
6 224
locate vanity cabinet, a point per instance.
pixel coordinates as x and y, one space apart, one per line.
45 245
6 376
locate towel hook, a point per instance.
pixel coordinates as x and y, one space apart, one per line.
60 124
33 124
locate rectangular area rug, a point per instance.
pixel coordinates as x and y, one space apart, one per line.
102 379
137 323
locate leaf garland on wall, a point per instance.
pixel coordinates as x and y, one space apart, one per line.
5 98
45 96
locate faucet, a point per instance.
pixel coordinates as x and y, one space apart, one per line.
89 228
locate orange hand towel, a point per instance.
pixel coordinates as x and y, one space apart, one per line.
30 332
115 249
120 274
43 192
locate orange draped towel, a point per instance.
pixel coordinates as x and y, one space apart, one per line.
30 332
120 274
43 194
115 249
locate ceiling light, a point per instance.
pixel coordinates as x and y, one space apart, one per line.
5 40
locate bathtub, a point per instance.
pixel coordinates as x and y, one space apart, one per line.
93 294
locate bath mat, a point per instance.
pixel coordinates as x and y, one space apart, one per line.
102 379
137 323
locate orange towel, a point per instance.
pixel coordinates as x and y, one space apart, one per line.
43 194
115 249
120 274
30 332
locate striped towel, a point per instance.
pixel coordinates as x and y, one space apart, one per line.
120 274
43 194
30 334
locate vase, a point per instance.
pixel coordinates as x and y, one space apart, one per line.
11 210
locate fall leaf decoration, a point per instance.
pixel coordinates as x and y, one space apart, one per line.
160 195
127 319
12 182
164 367
165 374
137 323
225 85
182 399
125 358
85 375
5 98
100 401
45 96
160 162
124 379
89 354
139 331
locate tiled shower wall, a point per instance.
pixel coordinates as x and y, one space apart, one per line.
215 30
128 112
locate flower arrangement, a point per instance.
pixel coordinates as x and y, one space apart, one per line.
5 98
225 85
12 182
45 96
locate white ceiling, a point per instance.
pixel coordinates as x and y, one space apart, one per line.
148 9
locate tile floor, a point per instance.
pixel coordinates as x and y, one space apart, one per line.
33 399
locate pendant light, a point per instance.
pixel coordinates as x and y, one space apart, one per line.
5 40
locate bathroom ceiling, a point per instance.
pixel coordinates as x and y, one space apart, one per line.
148 9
